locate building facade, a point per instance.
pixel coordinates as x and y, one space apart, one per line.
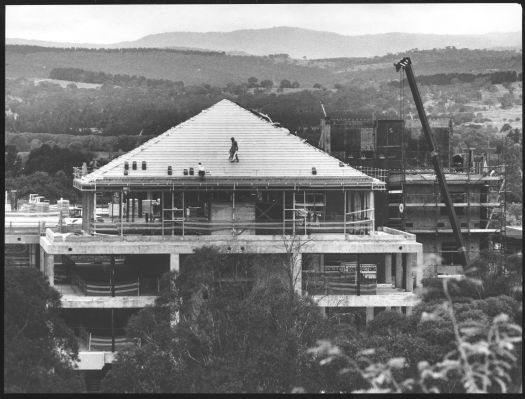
147 210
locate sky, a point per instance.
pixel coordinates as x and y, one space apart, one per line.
114 23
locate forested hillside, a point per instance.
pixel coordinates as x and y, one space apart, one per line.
214 68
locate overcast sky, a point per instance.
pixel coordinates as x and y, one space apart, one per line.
114 23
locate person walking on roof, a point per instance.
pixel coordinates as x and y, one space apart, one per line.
202 171
233 151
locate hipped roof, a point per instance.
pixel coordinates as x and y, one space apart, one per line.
267 153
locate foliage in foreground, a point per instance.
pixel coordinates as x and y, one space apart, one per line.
452 343
262 338
38 346
229 339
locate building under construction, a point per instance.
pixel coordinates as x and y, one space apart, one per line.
395 151
145 212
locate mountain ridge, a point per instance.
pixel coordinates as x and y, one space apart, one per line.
300 43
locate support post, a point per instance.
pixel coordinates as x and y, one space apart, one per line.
369 314
42 261
399 271
112 330
183 213
174 267
174 262
284 212
121 207
371 212
358 275
344 209
50 269
133 208
233 211
388 269
411 270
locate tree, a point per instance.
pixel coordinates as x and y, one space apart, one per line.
285 84
231 337
39 348
267 84
252 82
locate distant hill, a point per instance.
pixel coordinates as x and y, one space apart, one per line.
194 67
299 43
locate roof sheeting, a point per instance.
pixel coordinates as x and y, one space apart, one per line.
265 151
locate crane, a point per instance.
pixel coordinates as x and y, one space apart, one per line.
406 65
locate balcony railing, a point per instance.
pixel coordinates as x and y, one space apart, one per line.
339 280
104 343
33 228
360 222
460 199
129 288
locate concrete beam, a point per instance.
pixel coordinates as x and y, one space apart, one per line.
354 301
247 244
106 302
22 239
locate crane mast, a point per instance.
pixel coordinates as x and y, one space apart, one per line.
406 65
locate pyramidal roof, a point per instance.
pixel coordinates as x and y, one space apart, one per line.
265 151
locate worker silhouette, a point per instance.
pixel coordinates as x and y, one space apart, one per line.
202 171
234 149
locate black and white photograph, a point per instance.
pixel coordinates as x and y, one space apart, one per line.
282 198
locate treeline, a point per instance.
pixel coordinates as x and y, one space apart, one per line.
443 79
81 75
27 49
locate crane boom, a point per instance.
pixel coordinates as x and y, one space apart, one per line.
406 65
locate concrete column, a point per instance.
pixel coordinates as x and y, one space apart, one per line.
369 314
33 249
50 269
388 269
87 210
42 261
297 273
411 270
174 262
399 270
371 205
